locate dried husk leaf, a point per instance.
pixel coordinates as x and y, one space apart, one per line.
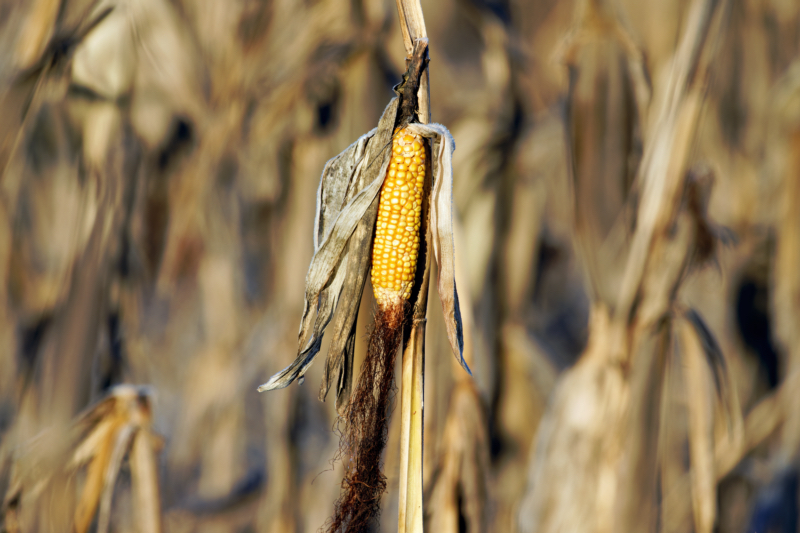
356 263
604 125
353 180
105 61
726 392
339 362
442 230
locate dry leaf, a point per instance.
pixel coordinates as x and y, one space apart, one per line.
347 200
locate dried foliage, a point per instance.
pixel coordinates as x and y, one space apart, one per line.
95 446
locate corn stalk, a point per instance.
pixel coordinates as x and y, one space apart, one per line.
412 24
599 437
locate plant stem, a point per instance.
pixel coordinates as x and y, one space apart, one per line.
412 24
411 435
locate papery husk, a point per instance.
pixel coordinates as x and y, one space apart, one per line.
442 230
347 198
342 242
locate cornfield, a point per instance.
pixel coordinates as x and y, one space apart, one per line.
626 225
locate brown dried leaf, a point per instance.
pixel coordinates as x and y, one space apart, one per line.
339 362
111 424
350 183
122 442
604 126
726 391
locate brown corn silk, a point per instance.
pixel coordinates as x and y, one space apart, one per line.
366 423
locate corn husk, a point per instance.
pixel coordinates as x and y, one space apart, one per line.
347 203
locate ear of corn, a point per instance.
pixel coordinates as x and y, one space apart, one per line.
394 253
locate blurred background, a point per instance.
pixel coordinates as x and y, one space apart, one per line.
159 161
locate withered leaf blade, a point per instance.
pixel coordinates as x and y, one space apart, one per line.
121 445
326 257
339 362
332 195
459 488
442 230
326 305
290 373
353 180
336 177
603 127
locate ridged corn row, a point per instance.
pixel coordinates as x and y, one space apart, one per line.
394 253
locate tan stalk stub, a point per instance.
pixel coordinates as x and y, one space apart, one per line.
121 443
144 474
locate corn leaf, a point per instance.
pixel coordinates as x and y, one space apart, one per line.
350 184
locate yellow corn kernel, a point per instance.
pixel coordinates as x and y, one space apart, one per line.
394 255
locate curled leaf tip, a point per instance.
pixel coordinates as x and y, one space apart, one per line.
272 384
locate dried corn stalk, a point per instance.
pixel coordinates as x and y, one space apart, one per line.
459 487
601 432
349 201
96 444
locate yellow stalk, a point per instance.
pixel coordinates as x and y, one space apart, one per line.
412 24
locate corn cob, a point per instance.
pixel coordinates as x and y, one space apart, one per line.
396 244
